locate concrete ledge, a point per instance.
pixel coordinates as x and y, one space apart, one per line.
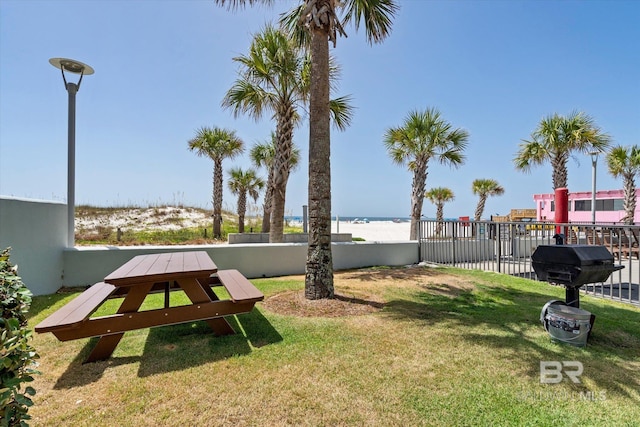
85 266
238 238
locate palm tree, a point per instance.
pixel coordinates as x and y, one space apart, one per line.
272 80
262 155
424 136
217 144
320 19
625 162
242 183
275 78
485 188
320 22
439 196
555 139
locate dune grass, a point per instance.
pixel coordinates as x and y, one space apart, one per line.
154 234
450 347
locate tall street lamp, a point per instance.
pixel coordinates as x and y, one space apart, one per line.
594 162
75 67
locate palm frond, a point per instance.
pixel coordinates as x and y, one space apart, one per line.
291 24
341 111
531 153
239 4
377 16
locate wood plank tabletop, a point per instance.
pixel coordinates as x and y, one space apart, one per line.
162 267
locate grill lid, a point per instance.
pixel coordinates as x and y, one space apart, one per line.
573 265
572 255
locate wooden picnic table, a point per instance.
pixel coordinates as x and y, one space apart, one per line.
192 272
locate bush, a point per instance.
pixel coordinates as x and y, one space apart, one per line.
18 357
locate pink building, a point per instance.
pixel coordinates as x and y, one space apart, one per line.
609 206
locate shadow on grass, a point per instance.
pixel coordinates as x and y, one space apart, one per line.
177 347
511 318
359 301
180 347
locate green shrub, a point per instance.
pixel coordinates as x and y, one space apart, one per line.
18 357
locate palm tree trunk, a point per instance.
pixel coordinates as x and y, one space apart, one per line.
242 209
319 268
480 207
266 221
478 214
417 197
439 218
217 197
629 202
268 204
281 168
559 166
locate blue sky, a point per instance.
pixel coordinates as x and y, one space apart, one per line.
494 68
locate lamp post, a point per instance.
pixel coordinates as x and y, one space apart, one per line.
75 67
594 162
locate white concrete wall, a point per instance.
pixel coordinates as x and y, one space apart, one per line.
88 265
367 254
36 231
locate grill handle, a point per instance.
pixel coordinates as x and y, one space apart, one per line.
559 275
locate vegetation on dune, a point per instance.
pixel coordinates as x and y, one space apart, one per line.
159 225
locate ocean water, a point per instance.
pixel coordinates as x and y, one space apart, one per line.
354 218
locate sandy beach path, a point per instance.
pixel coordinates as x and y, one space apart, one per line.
375 231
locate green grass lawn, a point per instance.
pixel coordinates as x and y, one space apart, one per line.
450 348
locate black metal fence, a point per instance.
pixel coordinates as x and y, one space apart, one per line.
506 247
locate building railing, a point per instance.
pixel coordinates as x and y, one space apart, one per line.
506 247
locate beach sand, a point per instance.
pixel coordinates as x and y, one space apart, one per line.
375 231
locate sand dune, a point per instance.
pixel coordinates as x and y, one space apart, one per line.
171 218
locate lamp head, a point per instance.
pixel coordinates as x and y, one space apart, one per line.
71 66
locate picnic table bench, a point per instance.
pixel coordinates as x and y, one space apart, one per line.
77 310
192 272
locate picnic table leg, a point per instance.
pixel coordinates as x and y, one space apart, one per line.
107 343
197 293
167 285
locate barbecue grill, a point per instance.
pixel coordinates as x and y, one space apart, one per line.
573 266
